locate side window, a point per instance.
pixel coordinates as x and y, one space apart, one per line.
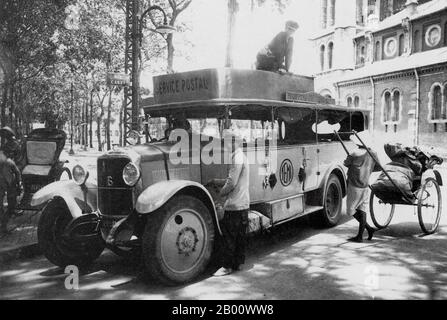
157 127
206 127
358 122
438 104
294 125
330 121
252 123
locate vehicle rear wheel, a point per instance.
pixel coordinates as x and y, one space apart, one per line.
178 240
381 213
332 204
429 206
56 246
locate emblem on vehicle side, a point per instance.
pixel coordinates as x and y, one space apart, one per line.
109 181
286 173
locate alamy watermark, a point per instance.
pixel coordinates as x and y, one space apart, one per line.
72 279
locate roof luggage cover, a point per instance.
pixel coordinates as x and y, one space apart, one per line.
221 84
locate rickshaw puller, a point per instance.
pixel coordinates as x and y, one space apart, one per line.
360 166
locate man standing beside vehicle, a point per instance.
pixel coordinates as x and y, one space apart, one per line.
11 184
360 166
235 188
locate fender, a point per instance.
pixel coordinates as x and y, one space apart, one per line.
340 172
79 199
438 177
157 195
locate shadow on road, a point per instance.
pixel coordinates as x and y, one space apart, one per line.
295 261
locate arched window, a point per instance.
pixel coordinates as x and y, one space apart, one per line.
436 104
349 102
417 41
362 57
387 107
378 50
323 14
401 44
357 102
331 14
322 53
444 109
330 54
396 107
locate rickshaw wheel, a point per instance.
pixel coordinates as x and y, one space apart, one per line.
429 205
381 213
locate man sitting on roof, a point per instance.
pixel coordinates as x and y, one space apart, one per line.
277 56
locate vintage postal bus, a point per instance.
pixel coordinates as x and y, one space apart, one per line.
153 199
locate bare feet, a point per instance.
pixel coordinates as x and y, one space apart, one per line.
223 272
356 239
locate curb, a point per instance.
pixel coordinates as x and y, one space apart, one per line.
24 252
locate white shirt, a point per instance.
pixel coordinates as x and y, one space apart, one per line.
236 188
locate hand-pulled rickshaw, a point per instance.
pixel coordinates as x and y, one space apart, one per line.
425 195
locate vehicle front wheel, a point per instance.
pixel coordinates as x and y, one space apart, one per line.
56 246
178 240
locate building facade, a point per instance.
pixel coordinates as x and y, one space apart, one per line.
389 56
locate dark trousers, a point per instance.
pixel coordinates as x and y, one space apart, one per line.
267 63
234 229
12 202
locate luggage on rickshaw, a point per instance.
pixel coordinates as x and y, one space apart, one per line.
408 180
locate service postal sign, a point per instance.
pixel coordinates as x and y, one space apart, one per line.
188 86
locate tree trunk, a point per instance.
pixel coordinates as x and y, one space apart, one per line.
91 120
81 128
233 8
4 104
109 116
98 131
11 105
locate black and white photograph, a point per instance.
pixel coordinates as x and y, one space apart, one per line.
223 156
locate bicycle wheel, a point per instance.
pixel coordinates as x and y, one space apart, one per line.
381 213
429 206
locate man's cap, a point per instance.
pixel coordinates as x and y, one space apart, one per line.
7 132
292 25
364 136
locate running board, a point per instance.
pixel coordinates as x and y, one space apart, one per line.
307 211
257 222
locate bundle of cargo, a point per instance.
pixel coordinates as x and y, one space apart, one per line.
407 164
